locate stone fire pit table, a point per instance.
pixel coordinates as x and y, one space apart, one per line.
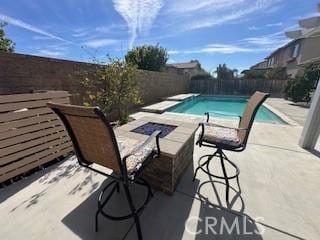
176 150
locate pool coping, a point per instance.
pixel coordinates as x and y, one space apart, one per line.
164 106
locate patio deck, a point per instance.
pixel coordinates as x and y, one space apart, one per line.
279 181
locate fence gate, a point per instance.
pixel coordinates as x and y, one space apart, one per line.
30 133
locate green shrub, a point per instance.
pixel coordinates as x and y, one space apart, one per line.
298 89
113 87
6 45
278 73
148 57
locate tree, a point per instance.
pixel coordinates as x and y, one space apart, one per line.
224 73
202 76
148 57
235 72
113 87
6 45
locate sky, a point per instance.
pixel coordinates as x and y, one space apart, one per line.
239 33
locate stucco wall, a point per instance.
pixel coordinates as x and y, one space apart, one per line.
21 73
310 48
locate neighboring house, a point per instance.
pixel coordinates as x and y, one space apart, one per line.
191 68
303 49
260 65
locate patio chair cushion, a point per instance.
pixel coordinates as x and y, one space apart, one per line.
128 145
221 135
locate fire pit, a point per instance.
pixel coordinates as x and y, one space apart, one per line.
176 146
150 127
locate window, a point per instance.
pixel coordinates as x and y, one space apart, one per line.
271 62
295 50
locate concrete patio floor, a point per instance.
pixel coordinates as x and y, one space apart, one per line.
279 182
292 110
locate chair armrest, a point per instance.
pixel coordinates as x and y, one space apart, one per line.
154 136
221 114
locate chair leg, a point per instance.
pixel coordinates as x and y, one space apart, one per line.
237 169
203 164
199 167
101 203
118 187
97 222
225 176
223 158
133 210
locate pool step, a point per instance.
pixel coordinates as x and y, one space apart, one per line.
160 107
181 97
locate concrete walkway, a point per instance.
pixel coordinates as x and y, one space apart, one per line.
279 182
297 113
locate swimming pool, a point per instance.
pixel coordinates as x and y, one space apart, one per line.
235 105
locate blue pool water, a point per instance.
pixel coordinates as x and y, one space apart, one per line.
235 105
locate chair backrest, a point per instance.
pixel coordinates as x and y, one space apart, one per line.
91 134
255 101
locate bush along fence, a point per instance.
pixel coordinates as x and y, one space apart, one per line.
238 86
30 133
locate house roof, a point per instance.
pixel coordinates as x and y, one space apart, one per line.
259 65
283 47
305 33
184 65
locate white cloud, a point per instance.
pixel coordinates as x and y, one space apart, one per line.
40 37
274 24
189 6
232 14
80 34
96 43
138 14
172 52
110 27
29 27
266 43
50 53
225 48
214 48
253 28
171 61
270 41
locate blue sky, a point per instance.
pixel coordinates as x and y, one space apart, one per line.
239 33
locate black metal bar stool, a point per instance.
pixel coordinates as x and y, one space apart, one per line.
227 138
95 143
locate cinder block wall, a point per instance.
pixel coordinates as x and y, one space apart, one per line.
20 73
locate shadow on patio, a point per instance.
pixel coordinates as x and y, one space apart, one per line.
163 218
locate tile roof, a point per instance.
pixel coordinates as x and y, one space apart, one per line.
184 65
